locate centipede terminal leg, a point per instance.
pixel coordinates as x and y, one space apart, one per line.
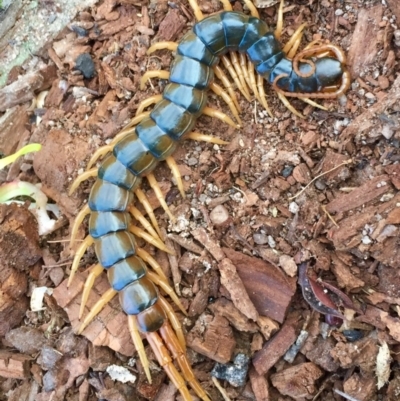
138 343
97 308
287 104
176 324
94 273
179 355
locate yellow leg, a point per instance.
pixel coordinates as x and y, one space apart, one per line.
128 127
148 238
94 273
100 152
196 10
162 46
176 324
82 177
136 213
260 86
293 44
243 66
252 8
208 111
178 354
220 92
78 221
97 308
286 103
219 73
152 262
167 289
253 81
279 23
198 136
156 188
312 103
147 102
226 5
162 74
88 241
165 361
138 343
142 198
228 65
177 175
236 64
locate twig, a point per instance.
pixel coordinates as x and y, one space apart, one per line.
344 395
221 389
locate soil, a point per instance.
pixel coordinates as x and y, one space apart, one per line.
286 245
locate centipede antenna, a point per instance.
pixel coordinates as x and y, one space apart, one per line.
228 65
220 92
82 177
152 262
198 136
162 46
263 98
147 102
167 289
208 111
78 221
287 104
252 8
88 241
178 354
97 308
138 343
236 64
100 152
156 188
219 73
142 198
196 10
176 324
165 361
137 214
162 74
226 5
312 103
279 22
129 127
176 173
151 240
293 43
94 273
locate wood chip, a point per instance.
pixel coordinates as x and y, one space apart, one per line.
260 386
13 365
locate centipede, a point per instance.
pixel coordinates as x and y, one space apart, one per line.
253 55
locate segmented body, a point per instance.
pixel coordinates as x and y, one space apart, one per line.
156 137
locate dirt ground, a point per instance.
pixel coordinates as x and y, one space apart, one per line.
287 255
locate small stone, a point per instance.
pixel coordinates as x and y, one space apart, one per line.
260 238
288 265
293 207
192 161
338 12
219 215
234 373
383 82
85 65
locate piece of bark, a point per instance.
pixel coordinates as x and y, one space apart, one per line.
12 128
394 173
361 387
365 40
298 381
373 188
210 244
109 327
345 278
20 91
172 25
225 308
269 289
213 337
14 366
275 348
260 386
232 282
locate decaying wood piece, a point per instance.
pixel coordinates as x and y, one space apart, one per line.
259 384
13 365
268 288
